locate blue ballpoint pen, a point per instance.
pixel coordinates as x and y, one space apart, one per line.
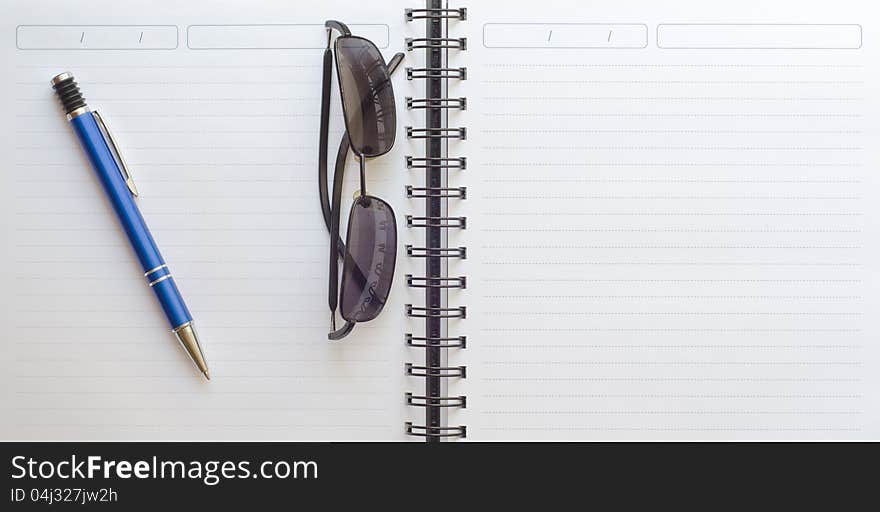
101 149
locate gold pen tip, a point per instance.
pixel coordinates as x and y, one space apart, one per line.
186 334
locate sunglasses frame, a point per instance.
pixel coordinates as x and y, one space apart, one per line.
331 211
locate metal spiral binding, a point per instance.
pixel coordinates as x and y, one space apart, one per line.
459 133
435 220
443 401
422 73
436 371
420 14
425 342
426 192
436 252
435 312
436 43
435 432
450 103
441 162
459 282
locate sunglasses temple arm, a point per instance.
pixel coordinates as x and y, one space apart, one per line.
338 183
394 62
333 279
324 137
330 213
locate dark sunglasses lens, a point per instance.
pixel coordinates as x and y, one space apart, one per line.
367 96
369 262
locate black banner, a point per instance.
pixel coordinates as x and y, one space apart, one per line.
229 476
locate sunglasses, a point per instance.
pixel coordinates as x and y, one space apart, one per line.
369 252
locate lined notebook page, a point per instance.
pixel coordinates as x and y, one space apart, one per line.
223 145
673 241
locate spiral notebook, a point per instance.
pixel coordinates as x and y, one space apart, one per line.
623 221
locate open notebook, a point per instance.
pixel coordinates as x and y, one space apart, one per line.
668 211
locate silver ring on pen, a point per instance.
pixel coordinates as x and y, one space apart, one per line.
160 267
157 281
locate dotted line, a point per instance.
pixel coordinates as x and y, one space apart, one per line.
669 247
185 164
187 66
666 395
740 132
575 280
663 180
672 429
180 212
677 164
732 198
649 148
681 214
658 82
672 363
707 263
198 130
192 116
179 148
636 330
668 313
687 115
187 82
788 297
189 98
673 379
695 66
166 426
672 347
673 412
663 230
661 98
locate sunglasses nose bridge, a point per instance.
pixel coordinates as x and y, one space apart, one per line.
362 160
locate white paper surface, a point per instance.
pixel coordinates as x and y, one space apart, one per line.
667 243
223 148
669 238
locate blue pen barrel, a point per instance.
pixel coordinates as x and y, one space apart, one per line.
106 168
103 154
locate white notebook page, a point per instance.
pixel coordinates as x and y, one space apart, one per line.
223 147
671 223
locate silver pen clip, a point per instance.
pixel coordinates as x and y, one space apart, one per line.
114 149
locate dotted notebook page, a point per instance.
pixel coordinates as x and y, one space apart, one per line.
670 237
223 147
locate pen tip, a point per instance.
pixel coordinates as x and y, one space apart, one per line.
186 334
